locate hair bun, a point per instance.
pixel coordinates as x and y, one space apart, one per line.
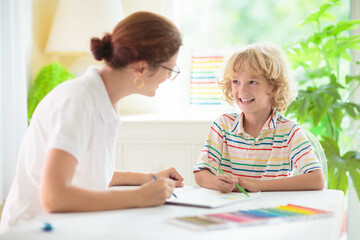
101 49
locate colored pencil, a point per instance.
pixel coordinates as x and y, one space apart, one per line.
237 185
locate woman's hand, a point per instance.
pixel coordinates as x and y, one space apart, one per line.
155 192
225 183
173 174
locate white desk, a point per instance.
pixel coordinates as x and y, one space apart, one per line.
149 223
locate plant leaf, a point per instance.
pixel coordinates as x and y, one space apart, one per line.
331 89
320 13
352 159
336 115
351 109
345 55
346 26
337 177
349 79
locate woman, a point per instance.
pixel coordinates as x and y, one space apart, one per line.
66 160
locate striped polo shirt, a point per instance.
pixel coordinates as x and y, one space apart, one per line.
280 148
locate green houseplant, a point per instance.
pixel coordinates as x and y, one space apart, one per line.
48 77
324 103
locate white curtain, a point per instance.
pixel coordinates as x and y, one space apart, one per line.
15 49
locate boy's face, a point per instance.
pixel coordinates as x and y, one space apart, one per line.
252 93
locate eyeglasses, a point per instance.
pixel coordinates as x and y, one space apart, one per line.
173 73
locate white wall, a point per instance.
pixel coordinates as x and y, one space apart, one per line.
1 133
163 7
354 203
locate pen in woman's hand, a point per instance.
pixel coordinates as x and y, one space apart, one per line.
155 178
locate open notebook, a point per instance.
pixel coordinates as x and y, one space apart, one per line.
207 198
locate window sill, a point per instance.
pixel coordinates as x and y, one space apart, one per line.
171 117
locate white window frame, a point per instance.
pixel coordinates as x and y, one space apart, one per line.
15 48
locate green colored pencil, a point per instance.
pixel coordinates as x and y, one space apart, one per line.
237 185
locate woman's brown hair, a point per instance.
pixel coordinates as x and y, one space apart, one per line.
141 36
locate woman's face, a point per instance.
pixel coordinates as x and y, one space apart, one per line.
154 78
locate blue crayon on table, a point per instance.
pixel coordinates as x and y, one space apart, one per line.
284 213
47 227
262 213
269 211
155 178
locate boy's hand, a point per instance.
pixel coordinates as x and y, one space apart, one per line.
225 183
250 185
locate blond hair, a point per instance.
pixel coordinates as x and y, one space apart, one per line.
265 59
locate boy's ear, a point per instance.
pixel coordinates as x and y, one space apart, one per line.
274 88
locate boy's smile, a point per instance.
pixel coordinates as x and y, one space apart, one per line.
246 101
252 93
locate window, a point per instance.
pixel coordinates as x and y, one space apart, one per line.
218 28
221 26
15 47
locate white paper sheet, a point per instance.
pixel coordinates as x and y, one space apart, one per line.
207 198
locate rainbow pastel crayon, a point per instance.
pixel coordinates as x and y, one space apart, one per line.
233 217
295 210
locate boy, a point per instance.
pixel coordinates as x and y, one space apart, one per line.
258 148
